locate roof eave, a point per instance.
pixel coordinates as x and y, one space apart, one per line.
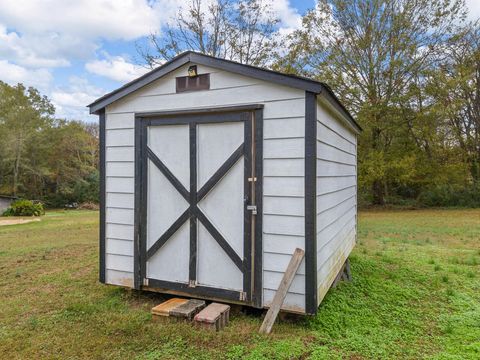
227 65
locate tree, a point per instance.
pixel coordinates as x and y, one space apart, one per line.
455 89
373 53
22 113
244 31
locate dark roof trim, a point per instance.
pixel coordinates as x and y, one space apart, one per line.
227 65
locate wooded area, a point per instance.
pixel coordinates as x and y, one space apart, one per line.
41 157
408 70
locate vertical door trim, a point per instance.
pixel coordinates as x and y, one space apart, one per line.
102 202
311 303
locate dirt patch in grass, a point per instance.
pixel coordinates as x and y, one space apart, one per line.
4 222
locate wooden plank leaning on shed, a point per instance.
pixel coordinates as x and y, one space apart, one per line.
282 290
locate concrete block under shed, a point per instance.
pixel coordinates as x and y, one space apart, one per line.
187 310
214 317
177 309
162 311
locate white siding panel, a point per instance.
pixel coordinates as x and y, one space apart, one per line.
287 225
327 152
120 216
330 248
293 302
120 185
328 136
120 121
278 205
279 262
283 167
272 282
121 278
119 247
284 128
119 262
120 169
118 200
330 269
327 201
223 80
220 97
330 232
126 153
328 168
329 216
119 137
336 125
285 108
329 184
118 231
284 186
282 244
336 196
283 148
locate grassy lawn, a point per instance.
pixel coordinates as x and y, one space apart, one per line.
415 294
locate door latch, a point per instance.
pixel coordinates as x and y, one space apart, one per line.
252 208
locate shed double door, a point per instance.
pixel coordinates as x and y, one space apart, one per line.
198 204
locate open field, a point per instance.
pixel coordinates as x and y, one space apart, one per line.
415 294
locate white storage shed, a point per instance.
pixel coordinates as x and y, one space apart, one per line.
213 172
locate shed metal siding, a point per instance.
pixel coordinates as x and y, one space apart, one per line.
336 195
283 147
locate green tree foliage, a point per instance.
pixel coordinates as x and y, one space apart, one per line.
409 73
42 157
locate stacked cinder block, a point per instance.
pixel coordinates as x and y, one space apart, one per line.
213 317
177 309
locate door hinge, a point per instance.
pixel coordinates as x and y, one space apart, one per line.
252 208
145 282
192 283
243 296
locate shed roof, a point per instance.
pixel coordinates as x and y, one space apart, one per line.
227 65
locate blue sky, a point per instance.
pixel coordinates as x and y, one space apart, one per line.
76 51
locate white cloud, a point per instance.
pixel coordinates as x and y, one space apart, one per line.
109 19
288 15
115 68
13 74
51 33
71 101
473 9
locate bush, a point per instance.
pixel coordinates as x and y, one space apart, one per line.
24 208
89 206
450 195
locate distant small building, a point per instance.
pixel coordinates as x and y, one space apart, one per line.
5 202
213 172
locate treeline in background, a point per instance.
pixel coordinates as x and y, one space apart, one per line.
408 70
43 158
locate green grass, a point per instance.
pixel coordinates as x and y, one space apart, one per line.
415 294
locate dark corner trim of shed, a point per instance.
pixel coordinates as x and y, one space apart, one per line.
102 203
311 303
298 82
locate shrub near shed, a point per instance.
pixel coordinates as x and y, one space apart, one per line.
24 208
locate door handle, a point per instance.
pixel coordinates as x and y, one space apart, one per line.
252 208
